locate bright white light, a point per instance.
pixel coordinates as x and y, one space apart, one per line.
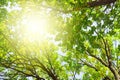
35 27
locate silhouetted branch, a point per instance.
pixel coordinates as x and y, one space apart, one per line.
100 2
85 5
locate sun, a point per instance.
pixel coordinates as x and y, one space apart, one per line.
35 27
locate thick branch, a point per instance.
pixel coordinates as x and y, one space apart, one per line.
100 2
112 69
115 73
86 5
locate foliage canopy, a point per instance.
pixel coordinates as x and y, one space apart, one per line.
59 40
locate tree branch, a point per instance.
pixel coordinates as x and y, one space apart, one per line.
47 70
106 78
89 65
86 5
107 51
100 2
23 72
115 73
99 59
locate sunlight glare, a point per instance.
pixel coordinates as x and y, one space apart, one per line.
35 27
